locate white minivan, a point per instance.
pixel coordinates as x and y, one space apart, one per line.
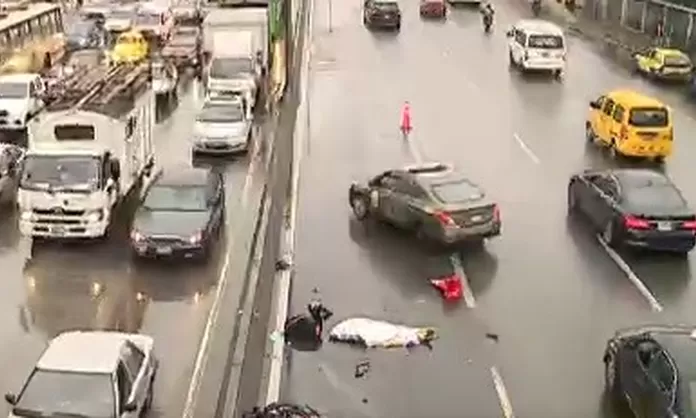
537 45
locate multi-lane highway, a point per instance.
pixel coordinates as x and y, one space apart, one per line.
96 285
546 288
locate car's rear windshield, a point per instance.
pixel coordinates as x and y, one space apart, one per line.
387 6
545 41
460 191
648 117
650 195
677 60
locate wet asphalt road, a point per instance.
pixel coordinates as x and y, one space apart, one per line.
98 285
546 287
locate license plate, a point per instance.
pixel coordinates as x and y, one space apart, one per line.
58 230
477 218
545 54
164 250
664 226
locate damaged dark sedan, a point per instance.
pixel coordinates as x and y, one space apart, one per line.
180 216
434 200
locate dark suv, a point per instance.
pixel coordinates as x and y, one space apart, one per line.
381 14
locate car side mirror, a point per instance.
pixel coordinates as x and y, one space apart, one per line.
130 406
11 398
594 105
509 33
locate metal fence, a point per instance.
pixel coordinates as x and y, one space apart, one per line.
671 22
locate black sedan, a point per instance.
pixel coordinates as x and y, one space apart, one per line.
634 207
652 370
181 214
433 200
87 34
381 14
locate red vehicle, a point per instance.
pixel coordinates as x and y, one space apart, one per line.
433 8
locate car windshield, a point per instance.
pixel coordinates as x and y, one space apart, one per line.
387 6
60 173
677 60
13 90
461 191
230 67
80 29
546 41
228 113
647 195
176 198
147 19
123 14
649 117
57 394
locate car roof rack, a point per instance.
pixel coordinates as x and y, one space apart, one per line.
428 168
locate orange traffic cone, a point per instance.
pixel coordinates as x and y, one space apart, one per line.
406 126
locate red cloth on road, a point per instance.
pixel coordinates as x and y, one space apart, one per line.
449 286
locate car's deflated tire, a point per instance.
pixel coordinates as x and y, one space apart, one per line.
361 206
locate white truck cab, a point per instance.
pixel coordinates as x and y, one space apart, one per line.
21 97
86 153
234 65
537 45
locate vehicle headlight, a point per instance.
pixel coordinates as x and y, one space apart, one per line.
28 215
196 238
95 216
136 236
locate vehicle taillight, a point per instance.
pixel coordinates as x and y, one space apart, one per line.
689 225
496 214
444 218
624 132
631 222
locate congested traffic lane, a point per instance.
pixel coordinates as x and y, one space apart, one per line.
546 288
89 286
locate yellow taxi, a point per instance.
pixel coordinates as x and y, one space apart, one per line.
130 47
664 64
631 124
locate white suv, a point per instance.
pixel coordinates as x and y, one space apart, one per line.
537 45
21 98
89 374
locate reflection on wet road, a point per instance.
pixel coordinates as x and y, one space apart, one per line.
546 288
84 285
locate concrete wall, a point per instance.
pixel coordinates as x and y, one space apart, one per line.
647 15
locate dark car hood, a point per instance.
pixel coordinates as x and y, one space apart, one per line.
182 224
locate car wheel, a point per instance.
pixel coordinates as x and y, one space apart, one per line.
572 200
148 401
610 384
613 153
589 133
365 22
361 206
511 59
659 159
609 234
398 27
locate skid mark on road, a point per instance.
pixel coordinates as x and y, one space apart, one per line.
632 277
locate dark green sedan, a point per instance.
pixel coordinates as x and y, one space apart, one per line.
434 200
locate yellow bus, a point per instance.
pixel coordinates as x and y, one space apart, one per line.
27 36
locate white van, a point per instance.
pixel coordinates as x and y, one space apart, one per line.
537 45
